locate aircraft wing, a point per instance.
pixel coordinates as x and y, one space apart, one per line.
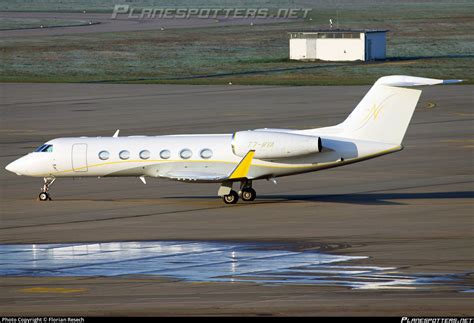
238 173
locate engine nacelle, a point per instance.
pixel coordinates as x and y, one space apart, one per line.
268 144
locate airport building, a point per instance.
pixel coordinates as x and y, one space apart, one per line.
338 45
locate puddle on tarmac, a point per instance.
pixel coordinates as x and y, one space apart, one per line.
210 262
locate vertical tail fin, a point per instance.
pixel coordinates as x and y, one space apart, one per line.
385 111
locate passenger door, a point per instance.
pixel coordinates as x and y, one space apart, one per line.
79 158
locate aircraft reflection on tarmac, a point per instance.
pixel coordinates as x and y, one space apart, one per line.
261 263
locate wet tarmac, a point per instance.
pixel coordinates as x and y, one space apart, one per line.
209 262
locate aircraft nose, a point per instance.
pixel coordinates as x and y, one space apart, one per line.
14 167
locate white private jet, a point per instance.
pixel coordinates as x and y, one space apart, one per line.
376 127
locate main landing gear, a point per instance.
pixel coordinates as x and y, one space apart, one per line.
247 193
229 196
44 195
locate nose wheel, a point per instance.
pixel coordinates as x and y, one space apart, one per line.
44 195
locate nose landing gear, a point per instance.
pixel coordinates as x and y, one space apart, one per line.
44 195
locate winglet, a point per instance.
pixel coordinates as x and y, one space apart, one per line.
243 167
405 80
116 133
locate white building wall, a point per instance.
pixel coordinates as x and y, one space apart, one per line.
369 46
340 49
298 48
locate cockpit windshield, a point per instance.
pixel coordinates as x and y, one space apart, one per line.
44 149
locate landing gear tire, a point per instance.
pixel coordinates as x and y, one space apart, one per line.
231 198
43 196
248 194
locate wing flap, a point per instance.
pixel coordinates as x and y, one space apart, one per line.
194 176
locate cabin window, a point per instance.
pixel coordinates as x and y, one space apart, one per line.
104 155
186 153
206 153
144 154
165 154
124 154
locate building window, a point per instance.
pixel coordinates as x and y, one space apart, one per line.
186 153
325 35
303 35
352 35
124 154
165 154
339 35
104 155
144 154
206 153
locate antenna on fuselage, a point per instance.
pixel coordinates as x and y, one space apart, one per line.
116 133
